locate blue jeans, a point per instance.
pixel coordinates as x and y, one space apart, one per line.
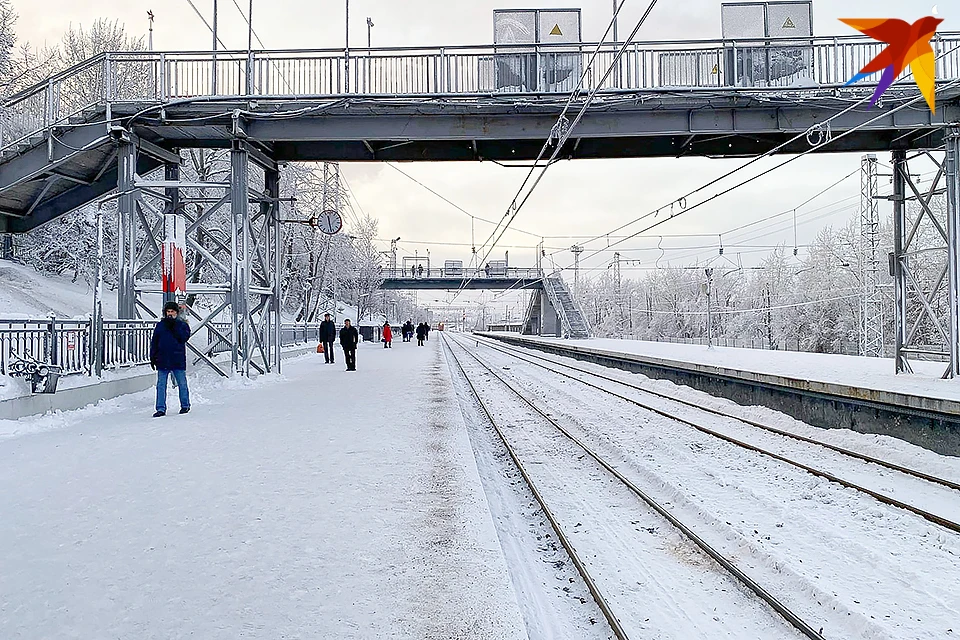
181 377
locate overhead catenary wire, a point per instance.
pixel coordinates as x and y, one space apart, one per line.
454 204
720 194
562 130
204 20
826 140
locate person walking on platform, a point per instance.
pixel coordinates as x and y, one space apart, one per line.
421 334
168 355
349 338
387 336
408 331
328 334
426 331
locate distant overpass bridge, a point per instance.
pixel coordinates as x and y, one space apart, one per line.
472 279
106 124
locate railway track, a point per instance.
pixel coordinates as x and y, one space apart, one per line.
878 495
793 619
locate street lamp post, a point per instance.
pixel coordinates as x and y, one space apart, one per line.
214 30
369 27
346 50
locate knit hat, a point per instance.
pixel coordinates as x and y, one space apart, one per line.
171 306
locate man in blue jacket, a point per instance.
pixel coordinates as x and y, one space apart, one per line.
168 355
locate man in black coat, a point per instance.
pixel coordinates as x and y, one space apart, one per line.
349 338
168 355
421 334
328 333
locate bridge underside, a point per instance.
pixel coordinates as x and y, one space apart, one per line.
457 283
53 174
78 162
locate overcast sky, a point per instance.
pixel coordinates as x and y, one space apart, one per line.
575 198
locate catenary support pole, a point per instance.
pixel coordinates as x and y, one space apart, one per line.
952 175
127 236
240 249
900 170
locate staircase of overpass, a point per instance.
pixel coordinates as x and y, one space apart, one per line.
553 311
116 124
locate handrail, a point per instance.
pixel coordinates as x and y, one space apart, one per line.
514 48
458 71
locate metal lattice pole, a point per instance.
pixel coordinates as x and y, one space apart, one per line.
925 274
952 176
127 236
899 274
618 293
576 250
240 249
871 302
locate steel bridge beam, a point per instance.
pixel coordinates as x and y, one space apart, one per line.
394 284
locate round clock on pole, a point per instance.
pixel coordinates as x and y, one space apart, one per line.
330 222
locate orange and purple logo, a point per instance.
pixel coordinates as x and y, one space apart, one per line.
908 44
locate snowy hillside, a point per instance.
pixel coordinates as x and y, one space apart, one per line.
26 293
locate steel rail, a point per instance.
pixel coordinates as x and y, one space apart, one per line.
932 517
608 613
722 560
495 344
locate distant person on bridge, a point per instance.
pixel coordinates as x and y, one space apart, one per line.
387 336
486 269
420 271
349 338
328 334
421 333
168 355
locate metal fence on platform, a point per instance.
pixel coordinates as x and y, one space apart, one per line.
787 344
123 343
67 343
155 77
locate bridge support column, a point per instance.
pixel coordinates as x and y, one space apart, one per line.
952 176
926 281
240 253
273 244
127 233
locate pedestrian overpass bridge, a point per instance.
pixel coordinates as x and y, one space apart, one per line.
551 311
60 138
472 279
107 125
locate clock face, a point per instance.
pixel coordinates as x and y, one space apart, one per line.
330 222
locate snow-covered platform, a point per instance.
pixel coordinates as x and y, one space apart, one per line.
315 504
823 389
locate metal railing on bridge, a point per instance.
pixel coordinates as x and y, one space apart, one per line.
157 77
505 273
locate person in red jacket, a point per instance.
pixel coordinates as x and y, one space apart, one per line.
387 336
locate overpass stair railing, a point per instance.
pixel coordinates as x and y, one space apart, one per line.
572 318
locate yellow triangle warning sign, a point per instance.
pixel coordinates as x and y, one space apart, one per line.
716 69
556 30
788 24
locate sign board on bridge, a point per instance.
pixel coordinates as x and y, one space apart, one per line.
556 69
751 62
